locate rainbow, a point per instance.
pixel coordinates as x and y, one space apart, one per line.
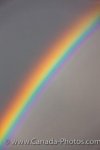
57 53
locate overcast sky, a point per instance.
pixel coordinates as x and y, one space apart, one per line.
70 106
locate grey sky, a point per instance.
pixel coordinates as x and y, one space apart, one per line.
70 107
